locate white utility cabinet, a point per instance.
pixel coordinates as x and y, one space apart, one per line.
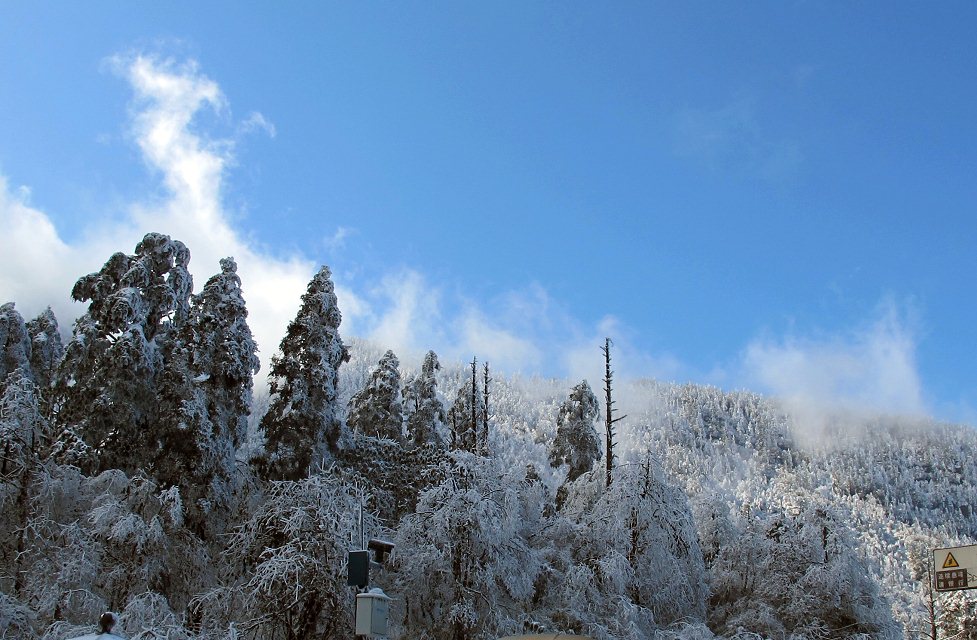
372 611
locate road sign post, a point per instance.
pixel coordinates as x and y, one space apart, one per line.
955 568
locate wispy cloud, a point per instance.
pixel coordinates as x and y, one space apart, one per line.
39 267
257 122
521 330
337 240
832 380
732 138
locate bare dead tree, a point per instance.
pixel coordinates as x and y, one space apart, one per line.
609 409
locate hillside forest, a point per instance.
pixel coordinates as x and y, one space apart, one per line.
144 472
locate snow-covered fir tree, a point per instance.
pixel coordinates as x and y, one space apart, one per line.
15 343
422 405
577 444
302 425
223 352
46 347
106 390
376 410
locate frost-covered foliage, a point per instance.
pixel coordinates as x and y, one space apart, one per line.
106 392
46 347
465 416
98 543
464 566
796 573
294 547
302 426
397 474
23 432
15 343
422 405
205 395
635 562
576 443
376 410
191 454
224 353
128 484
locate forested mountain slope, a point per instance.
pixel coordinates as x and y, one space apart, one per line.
139 474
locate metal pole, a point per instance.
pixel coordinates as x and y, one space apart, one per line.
930 567
362 540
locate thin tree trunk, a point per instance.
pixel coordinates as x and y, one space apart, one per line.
609 410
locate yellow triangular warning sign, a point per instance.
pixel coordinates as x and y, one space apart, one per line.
950 562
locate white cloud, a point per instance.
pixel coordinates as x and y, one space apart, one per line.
38 266
404 311
522 330
504 348
257 122
839 380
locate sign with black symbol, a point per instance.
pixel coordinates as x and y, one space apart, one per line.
956 568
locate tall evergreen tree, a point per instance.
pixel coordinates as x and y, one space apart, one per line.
106 387
376 410
46 347
223 352
15 343
302 426
204 395
576 443
425 411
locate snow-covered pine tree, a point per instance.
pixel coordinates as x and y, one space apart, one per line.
106 387
223 353
46 348
189 454
15 343
576 443
424 409
302 425
376 410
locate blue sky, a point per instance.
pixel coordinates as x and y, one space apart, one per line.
777 196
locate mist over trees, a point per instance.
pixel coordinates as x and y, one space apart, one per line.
130 481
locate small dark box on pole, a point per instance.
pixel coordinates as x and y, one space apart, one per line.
358 565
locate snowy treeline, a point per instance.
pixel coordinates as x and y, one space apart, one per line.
139 474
